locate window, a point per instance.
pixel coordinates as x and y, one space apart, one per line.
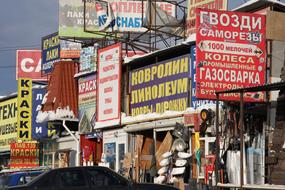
71 178
100 178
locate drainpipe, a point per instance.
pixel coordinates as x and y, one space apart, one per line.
77 160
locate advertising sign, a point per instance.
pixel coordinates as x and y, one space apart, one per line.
24 155
87 99
160 87
50 52
8 123
39 130
195 102
126 16
24 128
29 65
69 50
109 85
207 4
71 19
230 53
88 59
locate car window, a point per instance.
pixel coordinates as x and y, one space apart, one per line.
22 180
71 178
100 178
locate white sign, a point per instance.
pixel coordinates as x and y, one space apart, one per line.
109 77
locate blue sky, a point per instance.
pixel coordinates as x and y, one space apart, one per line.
22 25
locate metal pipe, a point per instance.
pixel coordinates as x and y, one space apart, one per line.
241 140
77 161
217 141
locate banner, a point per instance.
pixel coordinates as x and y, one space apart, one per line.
50 52
207 4
109 86
29 65
24 129
160 87
8 123
69 50
24 155
71 19
126 16
195 102
87 99
88 59
230 53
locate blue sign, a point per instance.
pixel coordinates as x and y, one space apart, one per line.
194 101
50 52
40 130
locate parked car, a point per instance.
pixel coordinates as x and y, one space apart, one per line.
86 178
17 178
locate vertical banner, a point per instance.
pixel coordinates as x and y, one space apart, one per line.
50 52
39 130
24 155
230 53
194 101
207 4
24 129
109 85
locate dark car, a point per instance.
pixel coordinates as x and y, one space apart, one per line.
86 178
17 178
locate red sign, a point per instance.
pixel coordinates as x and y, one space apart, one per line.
24 155
29 65
230 53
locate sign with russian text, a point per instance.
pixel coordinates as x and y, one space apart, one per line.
29 65
207 4
69 50
109 85
39 130
71 19
160 87
24 155
88 59
195 103
87 98
8 123
24 129
50 52
231 53
126 16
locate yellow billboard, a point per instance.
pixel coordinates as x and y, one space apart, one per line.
24 130
8 123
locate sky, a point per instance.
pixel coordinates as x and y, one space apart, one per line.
22 25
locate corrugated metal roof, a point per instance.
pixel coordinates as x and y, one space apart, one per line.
62 88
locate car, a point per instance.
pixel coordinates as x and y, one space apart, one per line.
17 178
86 178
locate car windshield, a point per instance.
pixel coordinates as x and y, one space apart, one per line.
4 180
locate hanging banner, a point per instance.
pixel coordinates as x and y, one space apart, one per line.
24 129
29 65
45 129
194 101
230 53
88 59
8 123
206 4
87 101
50 52
109 85
24 155
160 87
